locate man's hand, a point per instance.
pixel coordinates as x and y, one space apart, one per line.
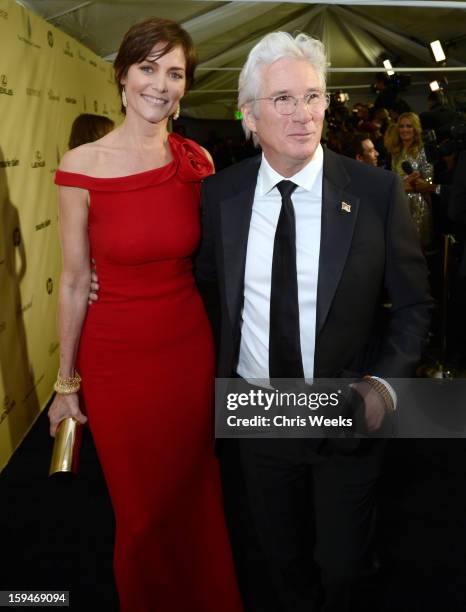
94 288
374 405
423 186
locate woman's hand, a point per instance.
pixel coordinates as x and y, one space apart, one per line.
407 184
94 288
409 181
63 407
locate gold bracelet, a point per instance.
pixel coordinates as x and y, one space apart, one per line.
382 390
69 385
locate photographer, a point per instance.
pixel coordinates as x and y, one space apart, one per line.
388 93
439 115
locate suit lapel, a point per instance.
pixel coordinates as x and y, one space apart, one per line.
235 219
339 214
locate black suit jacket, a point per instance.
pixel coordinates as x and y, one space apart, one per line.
363 253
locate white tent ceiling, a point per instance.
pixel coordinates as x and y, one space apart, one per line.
357 35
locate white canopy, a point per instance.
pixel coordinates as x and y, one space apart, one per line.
358 35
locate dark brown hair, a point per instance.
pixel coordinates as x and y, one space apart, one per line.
88 128
141 38
353 145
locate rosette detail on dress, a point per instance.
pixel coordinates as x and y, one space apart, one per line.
193 164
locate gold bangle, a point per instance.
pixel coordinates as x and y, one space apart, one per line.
69 385
382 390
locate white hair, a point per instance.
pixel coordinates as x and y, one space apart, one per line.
272 47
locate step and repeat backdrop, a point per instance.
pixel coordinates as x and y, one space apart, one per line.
46 80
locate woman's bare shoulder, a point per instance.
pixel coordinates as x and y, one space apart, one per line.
87 158
79 160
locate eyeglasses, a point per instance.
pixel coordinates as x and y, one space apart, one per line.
285 104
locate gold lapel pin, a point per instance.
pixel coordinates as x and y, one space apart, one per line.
346 207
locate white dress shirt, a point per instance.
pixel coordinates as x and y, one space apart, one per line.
307 201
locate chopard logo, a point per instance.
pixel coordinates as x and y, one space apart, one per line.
67 50
70 100
4 89
53 96
37 93
39 162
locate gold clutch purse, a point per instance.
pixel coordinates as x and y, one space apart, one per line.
65 455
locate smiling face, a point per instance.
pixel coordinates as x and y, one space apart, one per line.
288 142
406 131
155 86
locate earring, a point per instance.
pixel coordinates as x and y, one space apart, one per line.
176 114
124 101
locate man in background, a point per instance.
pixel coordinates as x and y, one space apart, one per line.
361 148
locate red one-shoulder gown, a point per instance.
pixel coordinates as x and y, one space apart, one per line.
147 365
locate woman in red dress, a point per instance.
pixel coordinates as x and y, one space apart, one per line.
144 351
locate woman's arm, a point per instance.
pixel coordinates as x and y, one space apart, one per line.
76 273
73 293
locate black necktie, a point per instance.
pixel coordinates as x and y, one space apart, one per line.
285 359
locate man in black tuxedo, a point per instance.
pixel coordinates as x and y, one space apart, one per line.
299 245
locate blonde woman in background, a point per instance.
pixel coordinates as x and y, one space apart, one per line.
405 145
